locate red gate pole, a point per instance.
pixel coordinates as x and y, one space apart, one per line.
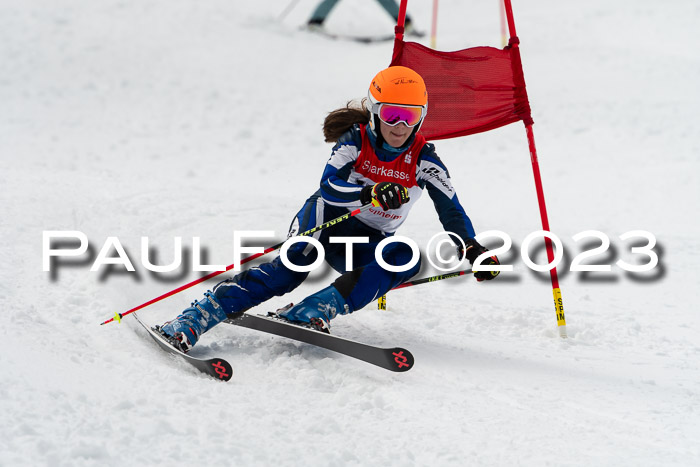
556 291
399 28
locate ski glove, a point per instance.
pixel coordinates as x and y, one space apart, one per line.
472 251
388 195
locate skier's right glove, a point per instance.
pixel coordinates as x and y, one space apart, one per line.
388 195
471 252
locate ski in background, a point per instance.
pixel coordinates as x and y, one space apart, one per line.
351 37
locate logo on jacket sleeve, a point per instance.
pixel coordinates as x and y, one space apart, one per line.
435 173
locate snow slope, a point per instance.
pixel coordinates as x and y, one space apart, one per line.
194 119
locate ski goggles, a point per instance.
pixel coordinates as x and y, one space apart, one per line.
393 114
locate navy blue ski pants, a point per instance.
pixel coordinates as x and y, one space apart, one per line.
366 282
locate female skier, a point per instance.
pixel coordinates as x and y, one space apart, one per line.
379 157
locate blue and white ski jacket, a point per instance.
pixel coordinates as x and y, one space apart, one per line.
357 162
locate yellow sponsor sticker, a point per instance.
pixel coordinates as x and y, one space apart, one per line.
559 307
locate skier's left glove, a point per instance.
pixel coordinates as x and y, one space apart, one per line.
471 252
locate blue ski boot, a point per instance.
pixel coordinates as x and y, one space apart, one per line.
184 331
317 310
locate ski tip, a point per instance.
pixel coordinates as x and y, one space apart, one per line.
221 369
402 360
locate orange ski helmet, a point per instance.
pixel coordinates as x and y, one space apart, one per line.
397 85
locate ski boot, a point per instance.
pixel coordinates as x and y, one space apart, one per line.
317 310
184 331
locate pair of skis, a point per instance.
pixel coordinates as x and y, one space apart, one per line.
393 359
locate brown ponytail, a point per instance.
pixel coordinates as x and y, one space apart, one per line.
341 120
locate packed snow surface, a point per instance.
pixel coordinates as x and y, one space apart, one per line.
178 118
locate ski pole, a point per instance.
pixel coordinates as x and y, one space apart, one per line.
286 11
119 316
381 302
425 280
